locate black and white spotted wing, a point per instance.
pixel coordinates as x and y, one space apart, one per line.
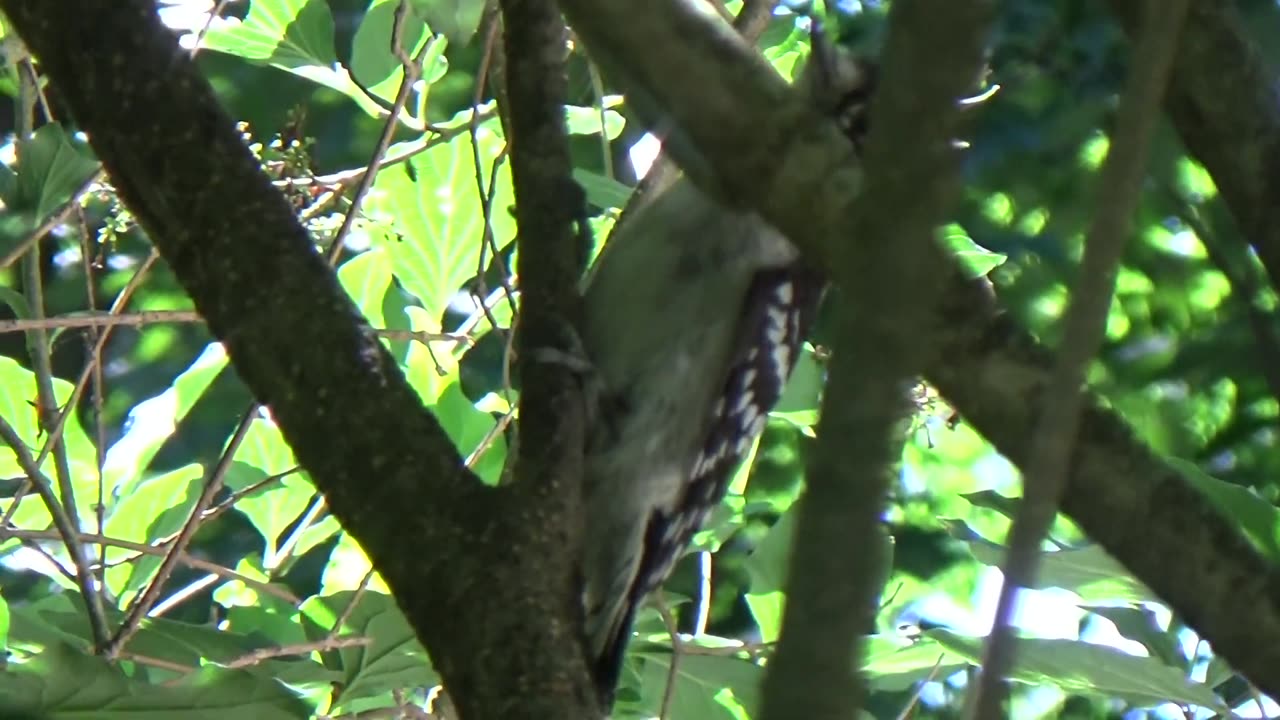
779 311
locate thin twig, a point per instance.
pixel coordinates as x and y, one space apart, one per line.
144 602
159 550
487 441
108 319
55 433
677 650
597 89
440 135
356 597
67 530
491 59
328 643
157 663
99 390
915 697
38 350
1120 187
273 564
238 495
56 218
412 73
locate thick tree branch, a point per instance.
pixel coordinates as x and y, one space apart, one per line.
455 553
933 57
771 153
552 245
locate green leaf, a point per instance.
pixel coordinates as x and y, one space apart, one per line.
586 120
1139 624
976 260
376 66
153 509
292 35
275 508
457 19
17 406
63 682
62 619
894 663
1089 572
468 426
288 34
394 659
1097 670
767 565
603 192
706 686
1258 519
4 624
153 421
367 278
434 206
50 172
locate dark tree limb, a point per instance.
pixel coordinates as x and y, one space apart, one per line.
933 58
760 143
553 247
469 573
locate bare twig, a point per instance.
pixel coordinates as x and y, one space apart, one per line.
144 601
440 135
197 45
109 319
1120 185
38 350
55 219
677 650
345 615
159 550
328 643
55 433
96 319
67 530
915 697
412 68
274 563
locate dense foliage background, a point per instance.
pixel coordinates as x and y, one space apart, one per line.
197 519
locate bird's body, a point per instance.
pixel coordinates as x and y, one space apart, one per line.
655 373
694 317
